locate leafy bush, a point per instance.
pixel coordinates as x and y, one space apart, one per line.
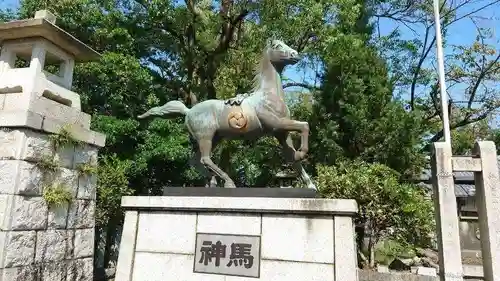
387 250
387 207
112 184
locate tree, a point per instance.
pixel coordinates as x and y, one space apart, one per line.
464 138
154 51
355 114
388 208
495 137
472 71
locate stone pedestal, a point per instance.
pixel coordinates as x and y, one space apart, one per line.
166 237
39 241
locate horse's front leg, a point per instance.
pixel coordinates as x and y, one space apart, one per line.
289 152
286 124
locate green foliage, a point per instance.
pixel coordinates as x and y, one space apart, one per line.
86 169
117 85
494 136
387 250
56 194
472 68
356 116
463 139
63 138
47 164
389 208
112 184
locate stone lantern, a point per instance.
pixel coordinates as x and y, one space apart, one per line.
41 240
39 43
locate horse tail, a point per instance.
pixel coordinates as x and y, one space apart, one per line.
174 107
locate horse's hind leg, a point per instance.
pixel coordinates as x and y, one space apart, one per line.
205 146
195 161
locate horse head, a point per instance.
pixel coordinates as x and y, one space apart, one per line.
280 53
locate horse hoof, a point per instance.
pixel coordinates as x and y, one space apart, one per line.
304 150
312 186
299 155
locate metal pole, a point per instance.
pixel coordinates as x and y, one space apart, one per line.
442 83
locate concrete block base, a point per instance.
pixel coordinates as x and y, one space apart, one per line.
300 238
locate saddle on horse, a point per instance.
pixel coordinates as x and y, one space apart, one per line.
237 100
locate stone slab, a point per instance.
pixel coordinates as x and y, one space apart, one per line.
35 121
32 28
445 203
232 223
180 238
230 246
242 192
427 271
346 207
308 239
48 108
127 247
473 271
488 207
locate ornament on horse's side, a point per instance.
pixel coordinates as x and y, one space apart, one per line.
236 119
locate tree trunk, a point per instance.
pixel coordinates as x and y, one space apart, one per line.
371 245
371 250
110 234
97 237
360 239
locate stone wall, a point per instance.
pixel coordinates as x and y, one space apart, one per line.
38 241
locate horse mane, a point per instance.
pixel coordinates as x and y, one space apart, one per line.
259 69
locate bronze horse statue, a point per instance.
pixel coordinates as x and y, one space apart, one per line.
262 112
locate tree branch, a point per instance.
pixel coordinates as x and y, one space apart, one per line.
423 56
480 78
466 121
228 32
471 12
298 84
303 40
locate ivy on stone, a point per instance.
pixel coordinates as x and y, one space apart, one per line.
56 193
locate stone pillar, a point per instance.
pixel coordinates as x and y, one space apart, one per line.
66 72
488 202
40 240
450 259
7 59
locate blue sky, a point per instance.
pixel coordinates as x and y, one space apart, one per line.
9 4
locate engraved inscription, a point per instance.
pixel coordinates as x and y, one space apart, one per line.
225 254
